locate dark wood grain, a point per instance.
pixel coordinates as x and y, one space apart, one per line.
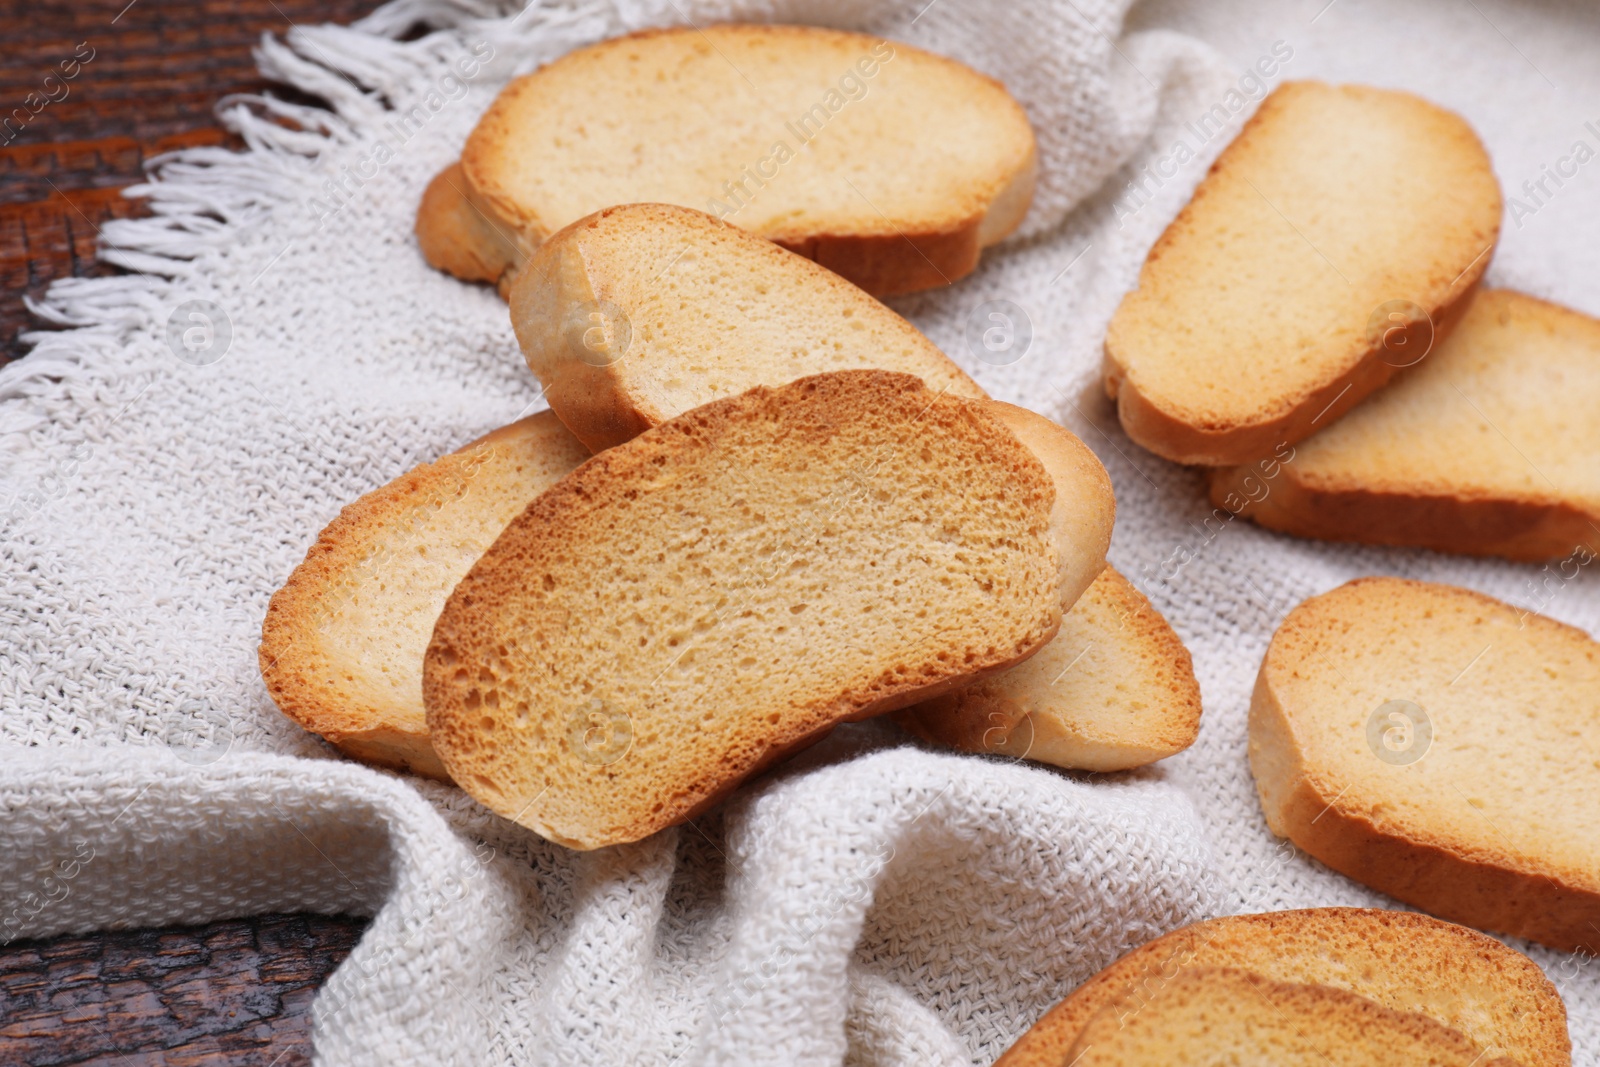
157 69
231 992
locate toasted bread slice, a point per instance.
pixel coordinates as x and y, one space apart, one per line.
692 605
722 312
461 238
1434 743
1114 690
1488 447
1339 231
1405 962
880 161
638 313
1218 1016
379 575
341 647
1084 510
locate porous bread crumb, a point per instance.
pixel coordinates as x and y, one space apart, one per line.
342 642
1497 997
696 603
1429 741
638 313
887 164
1262 313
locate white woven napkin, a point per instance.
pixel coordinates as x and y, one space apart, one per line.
165 464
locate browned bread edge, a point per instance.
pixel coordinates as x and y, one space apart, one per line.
967 718
1529 527
1141 971
1314 1013
1526 530
298 609
1182 442
466 233
614 474
1482 893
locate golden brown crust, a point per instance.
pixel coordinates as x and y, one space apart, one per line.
1007 210
291 664
1042 716
1152 630
1527 530
881 257
1482 893
899 263
591 398
1485 886
1174 438
523 576
1082 530
1164 426
307 678
990 715
1411 962
1225 1014
457 236
606 403
892 264
1327 498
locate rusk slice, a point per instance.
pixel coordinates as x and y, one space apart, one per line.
1115 689
638 313
1488 447
1338 232
694 604
1208 1016
1084 510
1400 961
880 161
342 644
1437 745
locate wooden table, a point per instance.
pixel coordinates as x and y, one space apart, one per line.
144 78
227 993
156 69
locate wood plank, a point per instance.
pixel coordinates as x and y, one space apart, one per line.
150 77
230 993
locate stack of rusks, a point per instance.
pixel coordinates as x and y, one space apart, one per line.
762 504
